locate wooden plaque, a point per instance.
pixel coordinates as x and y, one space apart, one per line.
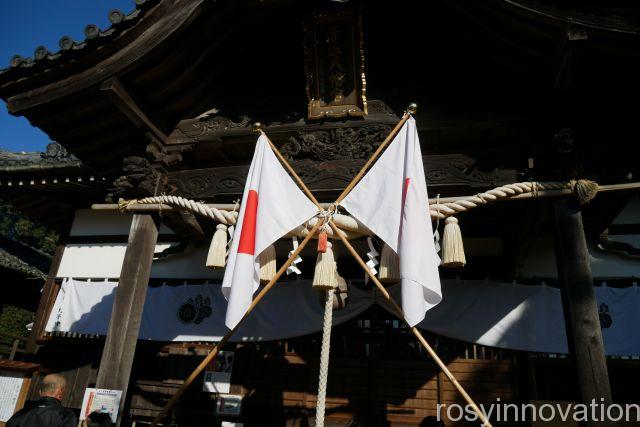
334 55
15 379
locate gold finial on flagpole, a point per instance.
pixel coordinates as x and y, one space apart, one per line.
412 108
257 127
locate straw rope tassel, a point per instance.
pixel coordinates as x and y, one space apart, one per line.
267 260
325 276
216 258
324 358
452 246
389 265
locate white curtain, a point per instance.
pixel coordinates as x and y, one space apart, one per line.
509 316
197 312
83 307
529 318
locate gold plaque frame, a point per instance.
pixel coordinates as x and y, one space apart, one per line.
334 64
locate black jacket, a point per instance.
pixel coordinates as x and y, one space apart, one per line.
44 412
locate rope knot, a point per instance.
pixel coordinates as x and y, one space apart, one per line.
584 190
123 205
326 215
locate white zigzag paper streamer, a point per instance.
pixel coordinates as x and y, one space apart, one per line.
436 234
231 229
436 241
372 254
293 268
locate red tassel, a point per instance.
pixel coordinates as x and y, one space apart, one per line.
322 242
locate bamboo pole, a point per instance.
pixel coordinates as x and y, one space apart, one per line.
413 329
353 252
328 314
229 334
287 166
410 110
375 280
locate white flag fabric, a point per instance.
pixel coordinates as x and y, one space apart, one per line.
391 200
272 205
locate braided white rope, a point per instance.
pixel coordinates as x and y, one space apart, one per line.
351 228
443 210
324 358
224 217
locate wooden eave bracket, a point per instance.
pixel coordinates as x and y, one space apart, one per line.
570 54
130 108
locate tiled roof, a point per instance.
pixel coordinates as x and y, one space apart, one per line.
24 259
13 263
54 157
94 37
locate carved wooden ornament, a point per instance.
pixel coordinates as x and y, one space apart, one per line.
334 55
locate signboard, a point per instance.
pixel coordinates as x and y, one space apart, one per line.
10 387
101 400
229 404
217 376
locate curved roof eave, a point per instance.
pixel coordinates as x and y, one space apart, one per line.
26 92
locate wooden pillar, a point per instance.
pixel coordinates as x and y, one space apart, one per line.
120 344
47 299
582 321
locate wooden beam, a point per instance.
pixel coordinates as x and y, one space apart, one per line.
524 228
142 207
125 103
219 128
571 51
126 314
582 321
162 24
47 299
447 170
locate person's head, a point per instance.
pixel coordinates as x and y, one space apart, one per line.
53 385
98 419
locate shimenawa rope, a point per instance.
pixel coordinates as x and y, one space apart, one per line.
584 190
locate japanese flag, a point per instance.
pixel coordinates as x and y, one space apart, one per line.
272 205
391 200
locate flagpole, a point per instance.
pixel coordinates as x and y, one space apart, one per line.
257 127
328 315
411 110
229 334
272 282
414 330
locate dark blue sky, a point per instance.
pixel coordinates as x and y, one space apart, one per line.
27 24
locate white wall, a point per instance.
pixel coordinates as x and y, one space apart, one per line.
104 260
